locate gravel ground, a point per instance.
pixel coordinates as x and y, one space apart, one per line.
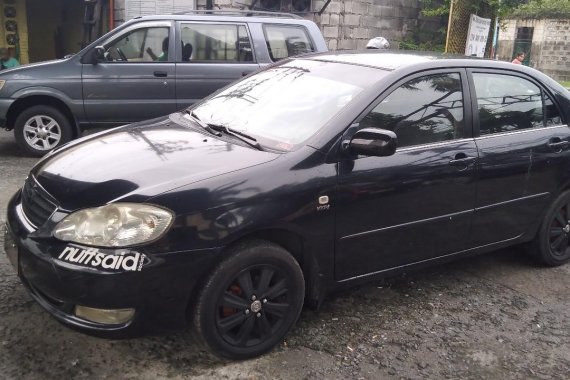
489 317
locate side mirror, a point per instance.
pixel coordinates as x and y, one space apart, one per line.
93 56
373 142
99 53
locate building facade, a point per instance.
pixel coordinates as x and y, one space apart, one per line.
545 42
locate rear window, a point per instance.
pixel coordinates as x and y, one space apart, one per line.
215 42
285 41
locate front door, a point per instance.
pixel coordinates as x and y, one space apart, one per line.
418 203
136 80
212 55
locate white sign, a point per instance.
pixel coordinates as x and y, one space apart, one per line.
135 8
477 36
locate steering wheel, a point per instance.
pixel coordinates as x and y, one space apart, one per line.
121 54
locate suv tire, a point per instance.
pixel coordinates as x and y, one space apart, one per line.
39 129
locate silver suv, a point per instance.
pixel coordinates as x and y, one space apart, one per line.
148 67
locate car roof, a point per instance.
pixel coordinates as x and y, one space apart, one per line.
392 60
242 16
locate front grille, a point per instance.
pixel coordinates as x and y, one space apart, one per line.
36 203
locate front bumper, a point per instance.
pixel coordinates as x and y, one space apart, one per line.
159 292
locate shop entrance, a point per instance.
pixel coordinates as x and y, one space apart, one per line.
57 28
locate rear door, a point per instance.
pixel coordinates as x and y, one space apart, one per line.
136 81
418 203
212 55
523 149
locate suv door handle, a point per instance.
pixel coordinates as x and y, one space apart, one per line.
462 160
557 145
160 74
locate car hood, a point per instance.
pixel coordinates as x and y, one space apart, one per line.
25 71
136 162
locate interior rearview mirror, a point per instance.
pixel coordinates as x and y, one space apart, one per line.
373 142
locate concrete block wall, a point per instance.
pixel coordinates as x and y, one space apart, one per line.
349 24
555 52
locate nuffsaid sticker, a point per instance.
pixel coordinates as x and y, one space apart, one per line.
92 257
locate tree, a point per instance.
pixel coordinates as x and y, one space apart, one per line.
542 9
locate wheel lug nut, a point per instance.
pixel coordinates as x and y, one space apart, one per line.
258 315
247 311
265 300
253 297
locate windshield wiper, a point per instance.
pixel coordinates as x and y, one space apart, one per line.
249 140
216 130
202 124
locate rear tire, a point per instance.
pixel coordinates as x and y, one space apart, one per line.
250 301
551 245
39 129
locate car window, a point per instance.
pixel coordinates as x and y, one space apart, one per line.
215 42
424 110
286 41
551 112
509 103
141 45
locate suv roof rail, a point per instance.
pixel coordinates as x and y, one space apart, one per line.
230 12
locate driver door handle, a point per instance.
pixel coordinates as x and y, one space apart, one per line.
462 160
160 74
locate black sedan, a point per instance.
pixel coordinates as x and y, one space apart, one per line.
315 174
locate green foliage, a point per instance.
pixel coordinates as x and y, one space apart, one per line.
411 43
539 9
434 8
498 7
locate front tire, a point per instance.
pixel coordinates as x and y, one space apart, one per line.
40 128
551 246
250 301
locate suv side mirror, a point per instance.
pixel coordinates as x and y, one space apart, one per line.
99 53
95 55
373 142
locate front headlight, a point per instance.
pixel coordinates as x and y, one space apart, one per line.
114 225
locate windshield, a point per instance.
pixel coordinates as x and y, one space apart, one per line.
285 105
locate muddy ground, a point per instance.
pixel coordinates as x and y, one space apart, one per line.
497 316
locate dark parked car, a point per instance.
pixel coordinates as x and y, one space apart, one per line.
148 67
314 174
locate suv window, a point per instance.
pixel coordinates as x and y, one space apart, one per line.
510 103
424 110
286 41
140 45
215 42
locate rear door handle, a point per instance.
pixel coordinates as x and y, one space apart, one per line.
462 160
160 74
558 146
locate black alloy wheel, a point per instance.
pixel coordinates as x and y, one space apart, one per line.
552 243
250 301
558 232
